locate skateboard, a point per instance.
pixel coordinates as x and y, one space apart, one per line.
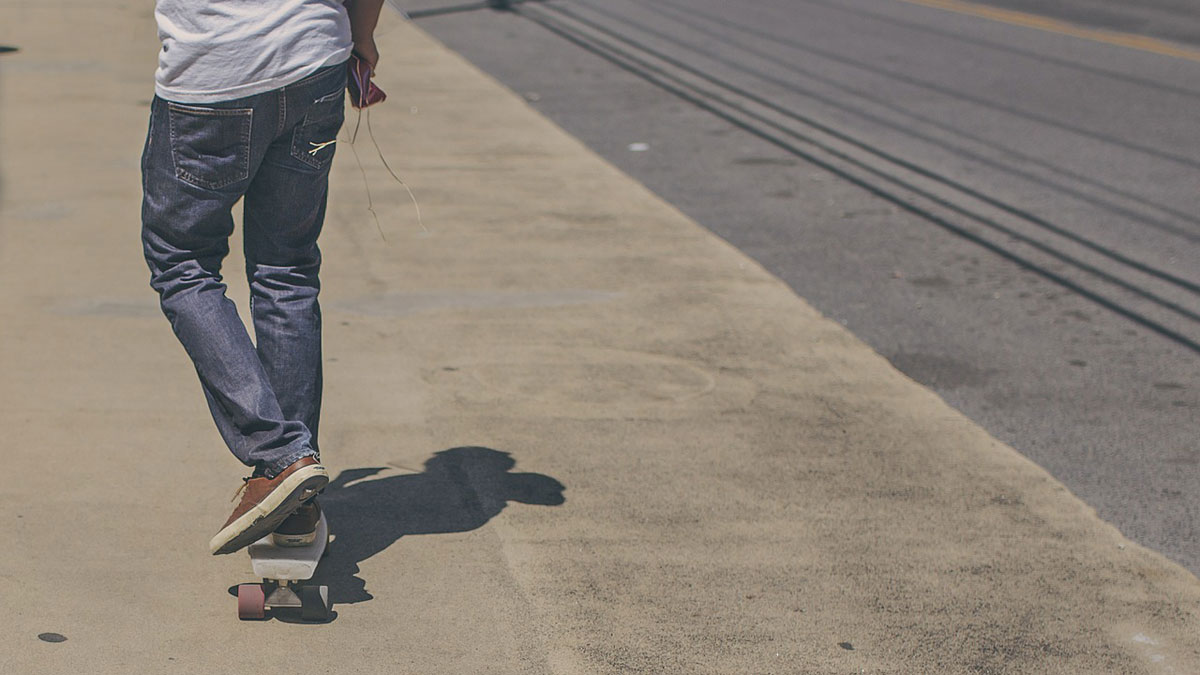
283 569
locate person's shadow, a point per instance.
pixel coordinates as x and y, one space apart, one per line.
460 489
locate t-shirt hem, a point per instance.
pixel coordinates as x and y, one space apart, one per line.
250 89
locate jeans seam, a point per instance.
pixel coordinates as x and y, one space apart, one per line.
282 113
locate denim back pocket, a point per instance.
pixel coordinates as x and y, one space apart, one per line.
316 135
210 146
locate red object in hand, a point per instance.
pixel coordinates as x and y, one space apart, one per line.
363 91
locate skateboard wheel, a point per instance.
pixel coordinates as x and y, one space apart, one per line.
252 602
314 603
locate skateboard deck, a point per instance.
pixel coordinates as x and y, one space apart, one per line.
282 569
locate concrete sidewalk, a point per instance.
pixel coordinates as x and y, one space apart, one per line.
748 488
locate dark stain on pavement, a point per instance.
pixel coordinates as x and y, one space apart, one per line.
461 489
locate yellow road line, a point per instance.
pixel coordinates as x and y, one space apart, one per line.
1140 42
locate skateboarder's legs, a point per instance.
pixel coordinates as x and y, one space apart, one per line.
284 212
198 162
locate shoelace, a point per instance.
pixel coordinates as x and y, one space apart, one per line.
241 488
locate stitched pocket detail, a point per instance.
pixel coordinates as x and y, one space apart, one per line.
314 139
210 147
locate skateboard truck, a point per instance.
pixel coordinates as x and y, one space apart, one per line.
255 599
283 569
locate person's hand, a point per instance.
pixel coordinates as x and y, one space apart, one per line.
367 51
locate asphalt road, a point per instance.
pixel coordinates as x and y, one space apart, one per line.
1007 213
1176 20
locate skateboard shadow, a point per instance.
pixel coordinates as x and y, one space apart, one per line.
460 490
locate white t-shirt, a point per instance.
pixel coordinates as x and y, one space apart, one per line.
217 50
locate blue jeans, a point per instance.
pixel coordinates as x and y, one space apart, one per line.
274 151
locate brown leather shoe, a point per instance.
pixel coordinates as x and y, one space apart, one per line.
266 502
